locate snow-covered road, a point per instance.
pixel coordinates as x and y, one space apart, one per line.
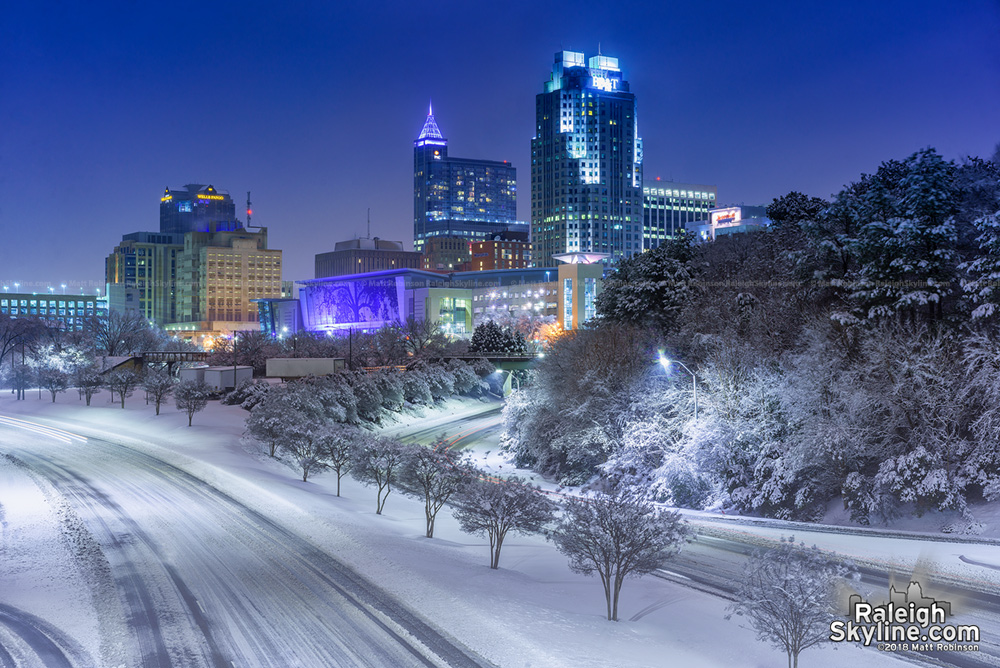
206 581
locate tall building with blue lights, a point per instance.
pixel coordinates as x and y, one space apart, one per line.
586 162
458 197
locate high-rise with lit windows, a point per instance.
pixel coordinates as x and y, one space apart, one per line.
669 208
586 162
458 197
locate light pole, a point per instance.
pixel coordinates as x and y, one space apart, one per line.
665 362
515 379
235 339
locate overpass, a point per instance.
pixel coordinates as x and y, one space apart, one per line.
503 361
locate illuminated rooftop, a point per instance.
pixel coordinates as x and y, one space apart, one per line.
581 258
430 134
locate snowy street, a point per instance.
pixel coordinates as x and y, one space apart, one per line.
153 543
217 583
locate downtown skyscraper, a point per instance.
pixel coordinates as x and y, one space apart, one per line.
586 162
460 199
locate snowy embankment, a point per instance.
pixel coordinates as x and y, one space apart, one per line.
533 611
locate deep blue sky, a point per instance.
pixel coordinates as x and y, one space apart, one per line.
314 106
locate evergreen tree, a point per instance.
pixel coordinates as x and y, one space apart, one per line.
489 337
982 275
650 289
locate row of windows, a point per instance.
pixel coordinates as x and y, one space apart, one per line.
61 313
48 303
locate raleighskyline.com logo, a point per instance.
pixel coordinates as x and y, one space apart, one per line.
908 622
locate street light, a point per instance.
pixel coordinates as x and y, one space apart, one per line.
64 288
512 377
665 362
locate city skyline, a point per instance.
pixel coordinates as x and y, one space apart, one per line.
105 108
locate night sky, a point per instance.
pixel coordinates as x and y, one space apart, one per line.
314 106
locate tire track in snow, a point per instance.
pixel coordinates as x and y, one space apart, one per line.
296 611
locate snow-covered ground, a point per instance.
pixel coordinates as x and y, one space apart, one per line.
533 611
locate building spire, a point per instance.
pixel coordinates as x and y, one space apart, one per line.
430 130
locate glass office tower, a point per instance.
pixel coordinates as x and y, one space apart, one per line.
586 162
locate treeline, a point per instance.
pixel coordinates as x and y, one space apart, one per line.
848 352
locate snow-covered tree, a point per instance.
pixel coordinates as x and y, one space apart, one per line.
795 209
88 380
906 244
377 461
337 444
416 388
267 423
465 379
493 507
119 332
435 474
440 382
52 378
390 387
650 289
982 274
617 536
368 398
305 443
490 337
332 396
20 379
158 385
191 396
789 596
121 381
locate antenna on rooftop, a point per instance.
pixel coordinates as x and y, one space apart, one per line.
369 223
249 212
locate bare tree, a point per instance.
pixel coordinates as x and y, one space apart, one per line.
338 443
17 333
377 461
191 396
21 378
616 537
421 335
118 332
305 442
88 380
494 507
121 381
53 379
788 594
435 474
158 385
